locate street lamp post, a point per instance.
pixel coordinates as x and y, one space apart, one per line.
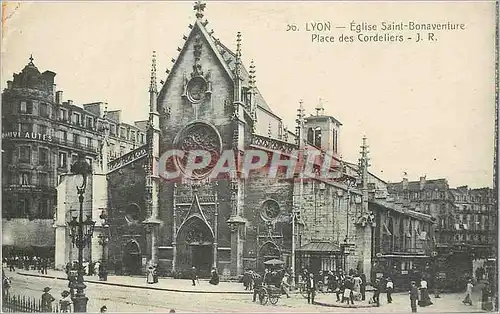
103 241
81 231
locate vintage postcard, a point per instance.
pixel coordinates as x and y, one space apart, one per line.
272 156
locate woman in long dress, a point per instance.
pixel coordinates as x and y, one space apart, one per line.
150 278
468 293
214 280
425 299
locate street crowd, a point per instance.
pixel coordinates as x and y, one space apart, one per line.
348 288
352 287
28 262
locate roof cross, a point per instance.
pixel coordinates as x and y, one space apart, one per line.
199 7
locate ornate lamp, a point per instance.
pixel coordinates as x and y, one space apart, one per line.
81 231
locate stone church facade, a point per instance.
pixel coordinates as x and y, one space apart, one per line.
210 101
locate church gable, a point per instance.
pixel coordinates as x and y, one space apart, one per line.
200 85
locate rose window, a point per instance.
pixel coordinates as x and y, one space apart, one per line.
195 139
270 210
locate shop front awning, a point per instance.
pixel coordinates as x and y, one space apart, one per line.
320 247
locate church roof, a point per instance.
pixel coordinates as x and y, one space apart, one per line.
226 57
244 73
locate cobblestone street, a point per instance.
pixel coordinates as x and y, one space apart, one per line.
148 299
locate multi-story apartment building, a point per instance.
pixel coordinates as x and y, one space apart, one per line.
475 225
42 136
465 222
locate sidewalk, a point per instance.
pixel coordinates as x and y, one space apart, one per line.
164 284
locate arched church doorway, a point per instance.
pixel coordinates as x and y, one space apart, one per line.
132 258
195 246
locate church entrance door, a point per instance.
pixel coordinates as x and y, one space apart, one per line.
195 246
132 258
202 258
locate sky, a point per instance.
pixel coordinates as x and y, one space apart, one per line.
426 108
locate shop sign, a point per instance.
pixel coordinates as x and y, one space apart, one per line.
28 135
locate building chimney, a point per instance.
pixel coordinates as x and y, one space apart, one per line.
59 97
405 183
9 84
70 102
422 182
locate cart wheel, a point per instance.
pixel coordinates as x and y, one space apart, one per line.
273 299
263 296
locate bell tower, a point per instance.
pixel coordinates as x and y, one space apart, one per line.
322 131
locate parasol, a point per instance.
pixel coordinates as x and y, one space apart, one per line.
274 261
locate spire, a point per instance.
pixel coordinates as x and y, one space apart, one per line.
152 85
300 125
31 60
251 85
199 7
237 67
153 90
251 76
319 108
363 160
269 131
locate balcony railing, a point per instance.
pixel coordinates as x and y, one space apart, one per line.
273 144
90 148
420 248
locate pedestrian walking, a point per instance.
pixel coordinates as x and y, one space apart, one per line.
376 292
357 282
155 274
389 288
468 293
425 299
437 286
285 286
257 284
47 300
149 276
194 276
311 288
247 278
348 292
413 296
486 303
341 287
65 303
12 264
362 288
45 266
330 282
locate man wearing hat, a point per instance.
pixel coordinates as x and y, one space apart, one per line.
194 276
413 296
285 285
47 300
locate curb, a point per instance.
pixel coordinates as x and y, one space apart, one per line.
139 287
